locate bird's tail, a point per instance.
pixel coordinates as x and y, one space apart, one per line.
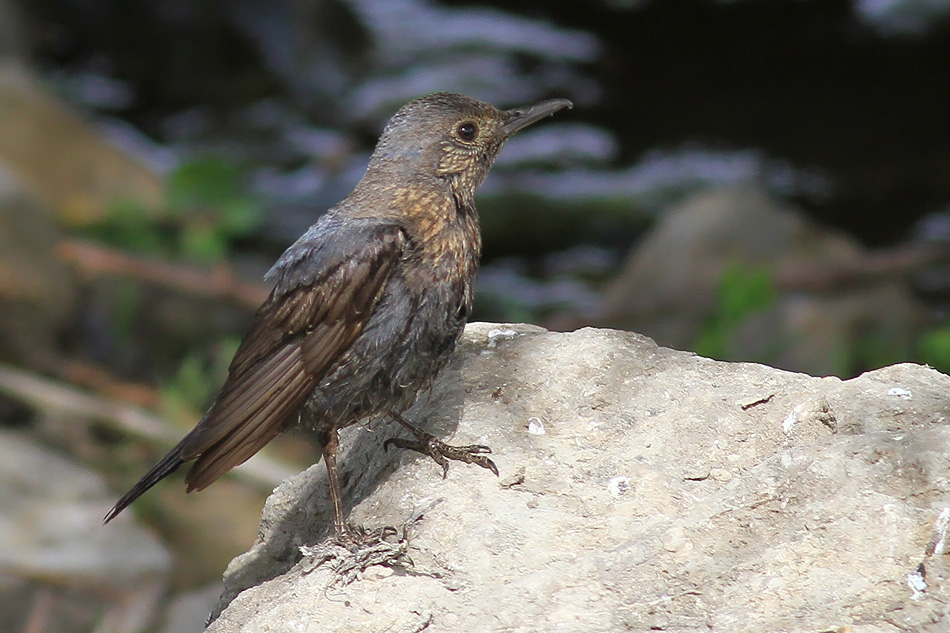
159 471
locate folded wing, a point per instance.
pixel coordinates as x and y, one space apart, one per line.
327 287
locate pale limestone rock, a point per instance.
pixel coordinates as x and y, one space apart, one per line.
668 491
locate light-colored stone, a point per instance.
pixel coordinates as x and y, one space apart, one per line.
61 159
821 525
669 289
187 613
55 551
37 289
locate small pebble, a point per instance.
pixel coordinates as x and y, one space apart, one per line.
377 572
720 474
674 539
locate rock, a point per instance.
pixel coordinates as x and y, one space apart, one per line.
187 613
58 564
667 491
37 289
61 159
670 288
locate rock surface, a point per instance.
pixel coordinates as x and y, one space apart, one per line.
641 488
60 158
37 289
60 570
672 285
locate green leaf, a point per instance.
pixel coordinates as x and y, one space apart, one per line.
203 243
934 347
743 290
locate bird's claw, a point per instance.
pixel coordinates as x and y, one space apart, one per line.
442 452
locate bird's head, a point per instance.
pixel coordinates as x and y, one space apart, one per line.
453 137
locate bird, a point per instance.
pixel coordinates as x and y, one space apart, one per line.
367 305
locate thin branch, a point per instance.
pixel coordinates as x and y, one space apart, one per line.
892 263
90 376
93 260
825 277
39 616
59 398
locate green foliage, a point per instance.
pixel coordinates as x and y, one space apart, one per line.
129 226
742 291
212 209
873 351
934 348
206 209
502 308
193 385
126 298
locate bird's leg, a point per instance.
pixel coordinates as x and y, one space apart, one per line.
440 451
352 549
330 443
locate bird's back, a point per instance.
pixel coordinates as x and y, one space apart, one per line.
420 315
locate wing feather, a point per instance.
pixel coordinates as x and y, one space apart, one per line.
248 394
296 339
256 431
327 285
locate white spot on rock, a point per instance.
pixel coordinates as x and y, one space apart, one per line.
720 474
674 539
536 426
618 486
940 531
792 419
496 335
900 392
917 584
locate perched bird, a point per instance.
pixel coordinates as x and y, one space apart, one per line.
367 305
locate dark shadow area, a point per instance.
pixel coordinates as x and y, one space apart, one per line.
300 512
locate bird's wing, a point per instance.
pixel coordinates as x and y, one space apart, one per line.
327 287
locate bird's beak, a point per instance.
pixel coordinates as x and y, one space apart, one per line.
519 118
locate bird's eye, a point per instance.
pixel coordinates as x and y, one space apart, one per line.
467 131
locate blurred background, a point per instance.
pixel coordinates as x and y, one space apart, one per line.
753 180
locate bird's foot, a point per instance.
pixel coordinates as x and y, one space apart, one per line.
352 550
354 537
441 452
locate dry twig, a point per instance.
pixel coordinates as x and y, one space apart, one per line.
61 399
93 260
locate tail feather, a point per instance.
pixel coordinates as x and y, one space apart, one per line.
159 471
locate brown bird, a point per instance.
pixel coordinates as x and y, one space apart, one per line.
367 305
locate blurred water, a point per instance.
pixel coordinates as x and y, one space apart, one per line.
902 17
795 115
661 174
421 47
